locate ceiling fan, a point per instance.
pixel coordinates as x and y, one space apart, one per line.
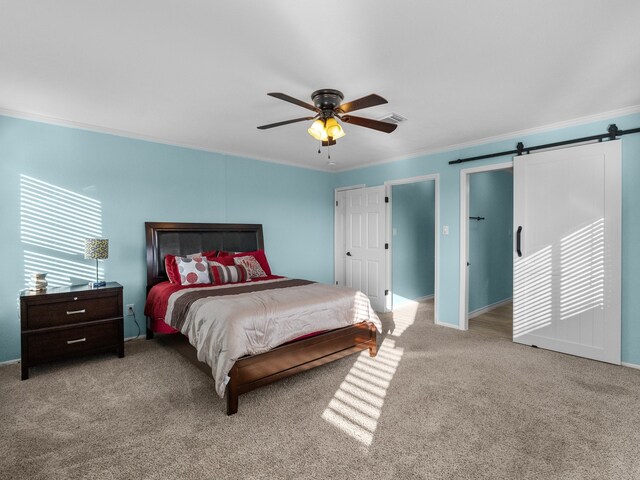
328 108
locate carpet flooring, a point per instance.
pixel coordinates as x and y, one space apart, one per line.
436 403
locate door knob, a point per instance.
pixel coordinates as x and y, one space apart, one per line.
348 254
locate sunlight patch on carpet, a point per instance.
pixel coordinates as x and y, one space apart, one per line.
404 317
357 404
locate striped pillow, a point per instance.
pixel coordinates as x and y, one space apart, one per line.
221 274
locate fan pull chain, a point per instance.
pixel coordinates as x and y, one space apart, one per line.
319 147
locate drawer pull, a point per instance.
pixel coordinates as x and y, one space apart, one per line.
69 342
74 312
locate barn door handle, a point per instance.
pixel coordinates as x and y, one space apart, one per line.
518 241
348 254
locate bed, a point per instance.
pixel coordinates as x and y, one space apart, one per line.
248 372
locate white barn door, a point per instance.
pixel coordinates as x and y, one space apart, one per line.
567 224
365 237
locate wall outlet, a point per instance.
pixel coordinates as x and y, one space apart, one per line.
129 309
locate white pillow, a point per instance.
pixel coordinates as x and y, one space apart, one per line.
193 271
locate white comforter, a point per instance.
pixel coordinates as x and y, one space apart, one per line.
226 328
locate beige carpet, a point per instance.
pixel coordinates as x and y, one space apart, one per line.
436 403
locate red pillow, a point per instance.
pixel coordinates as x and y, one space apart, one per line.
260 257
171 267
227 260
210 253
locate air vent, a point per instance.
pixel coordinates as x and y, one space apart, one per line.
393 118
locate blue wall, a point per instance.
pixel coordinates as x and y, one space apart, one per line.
412 241
491 239
449 266
137 181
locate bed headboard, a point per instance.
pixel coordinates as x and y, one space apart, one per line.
184 238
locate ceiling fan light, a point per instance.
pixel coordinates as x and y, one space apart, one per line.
317 131
334 129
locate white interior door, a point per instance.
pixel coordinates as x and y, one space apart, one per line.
567 214
365 238
340 223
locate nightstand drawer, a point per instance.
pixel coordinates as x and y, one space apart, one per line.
73 311
71 341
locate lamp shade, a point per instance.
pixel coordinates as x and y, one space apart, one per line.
333 128
96 248
317 131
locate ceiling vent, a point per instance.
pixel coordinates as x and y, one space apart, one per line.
393 118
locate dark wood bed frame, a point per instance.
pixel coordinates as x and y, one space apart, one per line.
254 371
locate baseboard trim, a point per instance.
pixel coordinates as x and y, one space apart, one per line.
630 365
9 362
479 311
422 299
449 325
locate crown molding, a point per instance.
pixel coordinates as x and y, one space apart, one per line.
621 112
36 117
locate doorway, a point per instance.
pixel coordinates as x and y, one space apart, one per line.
412 234
566 249
486 258
343 198
489 253
412 242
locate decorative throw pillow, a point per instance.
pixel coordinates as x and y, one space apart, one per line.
193 271
260 256
171 267
221 274
251 264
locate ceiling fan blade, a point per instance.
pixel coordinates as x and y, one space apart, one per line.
295 101
364 102
369 123
286 122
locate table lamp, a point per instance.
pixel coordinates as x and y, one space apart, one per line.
98 249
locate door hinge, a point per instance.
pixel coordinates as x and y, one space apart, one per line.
336 203
336 283
386 246
386 199
386 292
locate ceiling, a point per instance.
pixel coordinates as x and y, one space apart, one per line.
196 72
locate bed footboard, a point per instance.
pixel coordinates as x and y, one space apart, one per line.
255 371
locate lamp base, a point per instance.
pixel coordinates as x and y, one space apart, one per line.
97 284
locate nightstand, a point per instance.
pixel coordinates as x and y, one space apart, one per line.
63 322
